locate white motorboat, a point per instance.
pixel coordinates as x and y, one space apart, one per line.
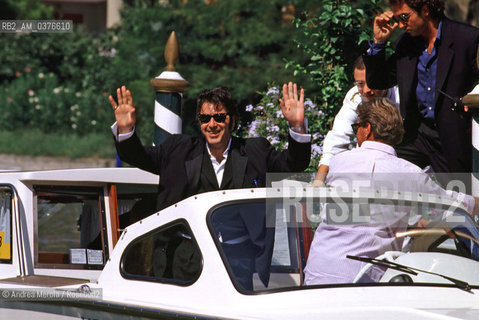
68 250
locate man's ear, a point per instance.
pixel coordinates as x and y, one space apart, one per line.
369 131
424 11
233 123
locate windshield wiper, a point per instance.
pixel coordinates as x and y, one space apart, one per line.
399 267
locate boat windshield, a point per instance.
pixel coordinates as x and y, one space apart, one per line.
267 244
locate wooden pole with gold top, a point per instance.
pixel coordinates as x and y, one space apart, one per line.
169 86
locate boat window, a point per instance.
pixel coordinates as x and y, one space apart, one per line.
5 224
268 245
264 244
168 254
70 227
135 202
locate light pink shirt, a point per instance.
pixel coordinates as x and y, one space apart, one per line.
373 165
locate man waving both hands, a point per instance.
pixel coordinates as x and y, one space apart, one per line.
189 165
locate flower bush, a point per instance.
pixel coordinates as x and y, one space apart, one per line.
270 123
332 36
42 101
57 83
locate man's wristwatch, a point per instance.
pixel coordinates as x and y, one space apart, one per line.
298 129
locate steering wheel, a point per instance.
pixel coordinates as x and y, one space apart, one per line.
442 234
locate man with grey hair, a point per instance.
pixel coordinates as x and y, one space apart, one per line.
373 165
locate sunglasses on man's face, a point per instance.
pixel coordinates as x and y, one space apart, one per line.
403 17
359 84
355 127
218 117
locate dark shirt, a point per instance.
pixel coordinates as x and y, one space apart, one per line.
426 77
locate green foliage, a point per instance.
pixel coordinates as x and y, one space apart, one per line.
55 82
59 83
333 38
34 142
240 44
24 10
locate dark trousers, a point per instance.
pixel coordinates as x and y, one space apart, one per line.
426 150
241 258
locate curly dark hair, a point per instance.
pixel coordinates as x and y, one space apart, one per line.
219 96
436 7
384 118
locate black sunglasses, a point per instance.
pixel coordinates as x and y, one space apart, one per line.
359 84
403 17
218 117
356 126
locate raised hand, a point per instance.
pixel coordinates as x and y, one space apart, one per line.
382 28
292 107
124 110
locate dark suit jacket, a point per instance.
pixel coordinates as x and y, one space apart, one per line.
457 74
178 162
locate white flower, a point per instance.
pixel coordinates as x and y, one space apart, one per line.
253 127
273 140
35 99
279 114
316 150
93 122
249 108
66 90
78 94
56 90
272 91
41 75
309 104
74 107
74 126
38 107
259 108
274 128
317 136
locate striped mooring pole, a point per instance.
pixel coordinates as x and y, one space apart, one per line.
169 87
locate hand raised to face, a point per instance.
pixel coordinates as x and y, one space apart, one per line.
382 26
